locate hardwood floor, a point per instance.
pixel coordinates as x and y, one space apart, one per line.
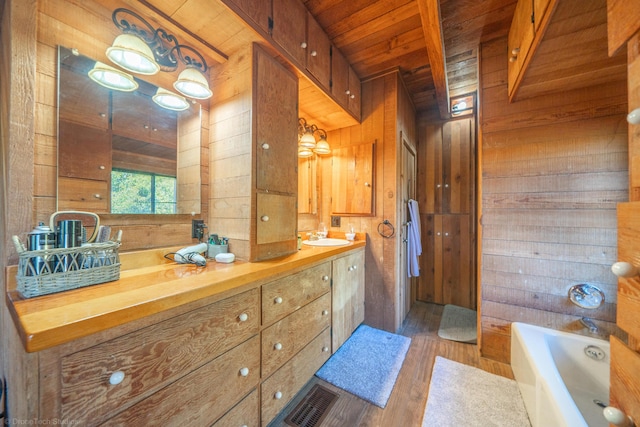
409 397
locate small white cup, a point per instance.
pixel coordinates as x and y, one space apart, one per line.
350 236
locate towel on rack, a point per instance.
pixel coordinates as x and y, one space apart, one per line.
414 242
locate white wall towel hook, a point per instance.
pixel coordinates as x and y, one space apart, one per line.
624 269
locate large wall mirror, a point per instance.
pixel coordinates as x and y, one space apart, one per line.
121 153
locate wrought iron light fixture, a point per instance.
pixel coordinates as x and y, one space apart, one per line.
146 50
307 144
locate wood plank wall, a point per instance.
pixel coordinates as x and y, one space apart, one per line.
553 169
87 26
386 112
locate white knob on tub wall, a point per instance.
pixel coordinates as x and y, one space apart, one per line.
616 417
634 117
116 378
624 269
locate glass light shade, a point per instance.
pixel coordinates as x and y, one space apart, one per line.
192 83
170 100
308 140
322 147
133 54
304 152
112 78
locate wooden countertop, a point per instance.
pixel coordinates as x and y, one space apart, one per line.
49 320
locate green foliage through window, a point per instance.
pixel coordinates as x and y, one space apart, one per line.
135 192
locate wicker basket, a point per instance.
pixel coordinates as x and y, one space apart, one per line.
48 271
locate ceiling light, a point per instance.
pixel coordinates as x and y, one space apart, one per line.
131 53
112 78
170 100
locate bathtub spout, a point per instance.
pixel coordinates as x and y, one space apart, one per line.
589 324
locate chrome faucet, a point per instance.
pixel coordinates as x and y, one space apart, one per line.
589 324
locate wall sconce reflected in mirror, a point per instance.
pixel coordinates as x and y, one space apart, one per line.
307 144
146 50
170 100
112 78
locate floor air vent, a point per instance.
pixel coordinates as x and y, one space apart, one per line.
313 408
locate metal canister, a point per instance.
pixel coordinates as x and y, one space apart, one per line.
69 235
41 238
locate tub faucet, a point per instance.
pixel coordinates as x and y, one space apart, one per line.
589 324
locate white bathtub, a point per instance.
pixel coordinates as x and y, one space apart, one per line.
560 384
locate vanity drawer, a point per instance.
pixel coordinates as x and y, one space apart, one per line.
285 338
150 358
284 296
245 413
201 397
281 387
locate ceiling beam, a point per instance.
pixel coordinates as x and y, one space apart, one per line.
432 29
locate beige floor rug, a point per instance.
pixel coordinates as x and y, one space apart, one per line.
461 395
458 324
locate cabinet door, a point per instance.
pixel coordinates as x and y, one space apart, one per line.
354 93
82 101
458 162
290 28
258 11
520 39
347 297
352 180
276 125
274 218
339 77
447 272
136 117
86 150
318 52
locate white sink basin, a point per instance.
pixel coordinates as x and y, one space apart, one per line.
326 242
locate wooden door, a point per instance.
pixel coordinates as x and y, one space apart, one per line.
457 188
408 191
318 52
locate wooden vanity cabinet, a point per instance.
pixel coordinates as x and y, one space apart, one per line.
155 374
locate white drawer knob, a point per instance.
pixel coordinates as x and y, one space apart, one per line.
244 372
243 317
278 395
314 53
634 117
116 378
278 346
624 269
303 45
265 146
325 312
101 167
325 349
278 300
264 218
325 278
97 196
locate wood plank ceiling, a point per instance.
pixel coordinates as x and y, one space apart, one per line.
381 35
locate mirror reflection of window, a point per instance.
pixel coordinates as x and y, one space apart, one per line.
142 193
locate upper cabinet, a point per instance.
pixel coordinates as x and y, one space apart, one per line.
290 28
345 84
318 52
352 180
295 33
